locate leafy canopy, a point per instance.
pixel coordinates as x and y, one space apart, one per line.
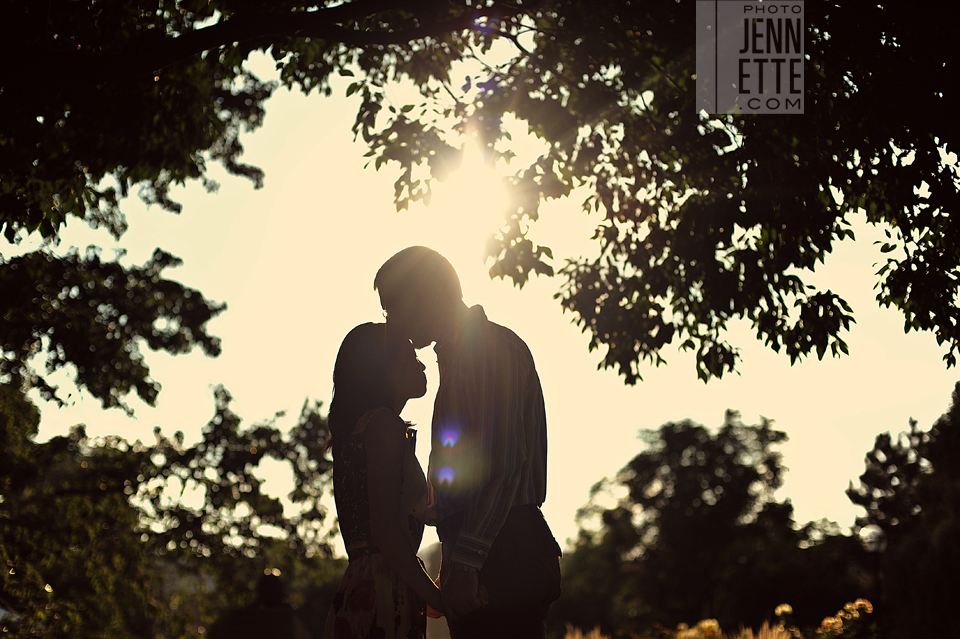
702 220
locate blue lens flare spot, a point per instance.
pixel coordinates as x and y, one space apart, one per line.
449 437
445 475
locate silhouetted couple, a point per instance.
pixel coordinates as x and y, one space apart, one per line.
487 473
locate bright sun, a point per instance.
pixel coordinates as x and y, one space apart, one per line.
470 204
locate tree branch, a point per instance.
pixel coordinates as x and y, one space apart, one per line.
151 52
66 492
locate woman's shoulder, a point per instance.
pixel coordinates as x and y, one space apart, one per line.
386 421
385 434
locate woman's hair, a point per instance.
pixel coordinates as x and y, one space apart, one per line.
360 380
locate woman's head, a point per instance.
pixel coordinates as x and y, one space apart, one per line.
374 368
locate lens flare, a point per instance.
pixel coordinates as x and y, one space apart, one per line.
449 437
445 475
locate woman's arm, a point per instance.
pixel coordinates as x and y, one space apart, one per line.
385 444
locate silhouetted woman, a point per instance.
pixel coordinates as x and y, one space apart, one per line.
380 489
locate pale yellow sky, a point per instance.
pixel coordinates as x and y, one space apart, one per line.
295 263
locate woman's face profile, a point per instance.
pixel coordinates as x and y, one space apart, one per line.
407 373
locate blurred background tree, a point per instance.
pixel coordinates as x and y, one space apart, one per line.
911 489
107 538
696 533
690 530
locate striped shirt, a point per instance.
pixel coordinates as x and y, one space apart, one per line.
489 440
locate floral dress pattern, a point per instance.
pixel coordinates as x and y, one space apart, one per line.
372 601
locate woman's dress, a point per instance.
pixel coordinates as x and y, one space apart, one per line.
372 601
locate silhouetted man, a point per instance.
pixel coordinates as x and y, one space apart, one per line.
488 462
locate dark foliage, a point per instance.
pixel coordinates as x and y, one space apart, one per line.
705 220
711 219
911 489
92 316
106 538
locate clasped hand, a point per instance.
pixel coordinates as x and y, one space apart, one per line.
462 593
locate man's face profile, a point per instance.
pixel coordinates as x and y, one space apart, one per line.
411 318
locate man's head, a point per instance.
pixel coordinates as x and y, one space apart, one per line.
419 289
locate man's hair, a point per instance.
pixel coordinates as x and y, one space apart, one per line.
413 272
